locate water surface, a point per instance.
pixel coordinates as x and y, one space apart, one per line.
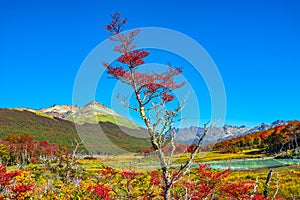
252 163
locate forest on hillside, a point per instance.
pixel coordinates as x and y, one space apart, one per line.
285 138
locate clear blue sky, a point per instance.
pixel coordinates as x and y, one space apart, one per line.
255 44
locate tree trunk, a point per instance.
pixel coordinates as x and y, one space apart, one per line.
167 192
266 190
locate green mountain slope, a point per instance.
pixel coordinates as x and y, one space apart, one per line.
63 132
39 127
92 113
95 112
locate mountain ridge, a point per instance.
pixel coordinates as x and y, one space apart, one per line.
92 113
217 134
95 112
104 137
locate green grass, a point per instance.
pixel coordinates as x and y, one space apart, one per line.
141 162
213 156
288 177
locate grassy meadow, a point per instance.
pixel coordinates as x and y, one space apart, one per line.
287 177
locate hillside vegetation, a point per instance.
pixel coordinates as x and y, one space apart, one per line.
39 127
275 140
63 132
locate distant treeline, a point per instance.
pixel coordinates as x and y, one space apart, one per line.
22 149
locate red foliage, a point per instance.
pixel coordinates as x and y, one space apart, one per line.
21 188
263 135
211 184
23 148
155 180
191 148
167 97
9 186
129 174
163 80
207 180
150 83
6 177
274 140
100 191
152 86
133 58
260 197
177 175
238 189
117 72
107 171
205 172
279 128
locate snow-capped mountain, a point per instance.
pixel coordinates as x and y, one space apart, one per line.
62 112
217 134
264 126
67 111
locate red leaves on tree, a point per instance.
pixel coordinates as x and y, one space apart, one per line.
163 80
151 84
167 97
133 58
116 72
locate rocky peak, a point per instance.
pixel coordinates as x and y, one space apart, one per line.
63 111
94 103
97 107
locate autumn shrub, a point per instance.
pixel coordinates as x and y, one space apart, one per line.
15 184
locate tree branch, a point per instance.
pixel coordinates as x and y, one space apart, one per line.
185 167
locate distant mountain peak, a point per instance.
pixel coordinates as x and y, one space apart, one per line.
187 135
92 113
92 103
95 106
63 111
279 122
